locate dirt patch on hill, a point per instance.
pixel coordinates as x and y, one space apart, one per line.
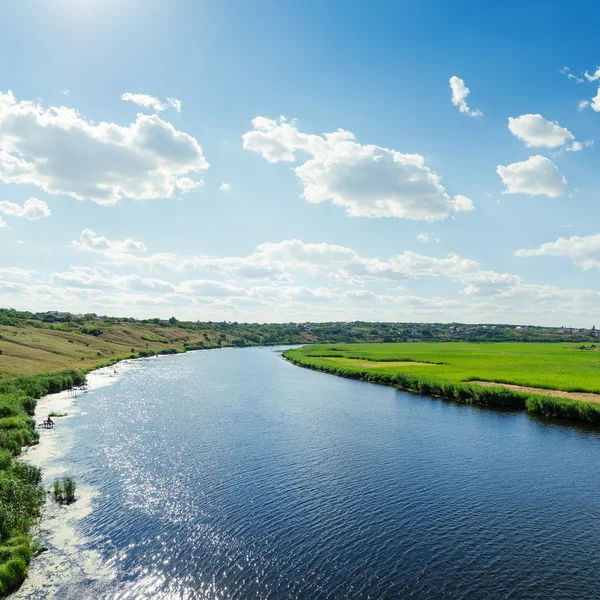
581 396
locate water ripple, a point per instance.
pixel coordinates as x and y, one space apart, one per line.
234 475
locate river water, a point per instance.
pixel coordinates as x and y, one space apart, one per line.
234 474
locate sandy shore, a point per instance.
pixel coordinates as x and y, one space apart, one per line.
67 559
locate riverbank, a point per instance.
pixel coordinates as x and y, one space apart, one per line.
68 558
345 361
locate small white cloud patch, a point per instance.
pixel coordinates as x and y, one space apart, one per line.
32 209
186 184
147 101
577 146
90 242
538 132
594 76
459 97
584 251
566 71
536 176
426 238
225 187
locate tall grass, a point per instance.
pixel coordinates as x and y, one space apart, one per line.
21 493
64 490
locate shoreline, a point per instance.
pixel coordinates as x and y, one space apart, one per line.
467 393
67 557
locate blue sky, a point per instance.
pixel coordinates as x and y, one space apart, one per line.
114 203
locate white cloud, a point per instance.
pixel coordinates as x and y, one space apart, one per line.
459 97
426 238
595 104
15 273
566 71
186 184
577 146
367 180
210 287
584 251
176 104
225 187
594 76
537 132
90 242
3 223
61 153
536 176
279 261
147 101
32 209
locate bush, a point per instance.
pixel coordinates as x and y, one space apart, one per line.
91 331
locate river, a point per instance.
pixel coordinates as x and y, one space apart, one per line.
234 474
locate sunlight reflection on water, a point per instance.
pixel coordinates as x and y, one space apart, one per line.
233 474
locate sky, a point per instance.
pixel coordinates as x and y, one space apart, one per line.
296 161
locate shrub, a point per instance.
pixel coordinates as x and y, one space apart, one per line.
91 331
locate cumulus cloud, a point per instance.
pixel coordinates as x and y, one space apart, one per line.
459 97
584 251
90 242
3 223
58 151
537 176
537 132
225 187
366 180
147 101
32 209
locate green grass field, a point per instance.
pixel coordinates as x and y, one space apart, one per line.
556 366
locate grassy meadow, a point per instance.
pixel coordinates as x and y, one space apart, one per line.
453 370
556 366
28 350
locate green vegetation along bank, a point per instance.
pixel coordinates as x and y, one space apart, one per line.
463 371
21 493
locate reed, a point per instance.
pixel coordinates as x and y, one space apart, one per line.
64 490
